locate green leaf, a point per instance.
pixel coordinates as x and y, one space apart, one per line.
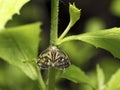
100 77
82 50
19 46
74 17
108 39
114 82
75 74
8 8
74 14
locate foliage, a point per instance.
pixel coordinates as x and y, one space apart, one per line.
8 9
115 7
19 47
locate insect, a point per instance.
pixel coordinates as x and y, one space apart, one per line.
53 57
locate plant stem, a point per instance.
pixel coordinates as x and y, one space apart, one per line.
68 38
66 31
51 79
53 39
40 81
54 22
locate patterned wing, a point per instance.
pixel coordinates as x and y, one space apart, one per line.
44 61
62 62
53 57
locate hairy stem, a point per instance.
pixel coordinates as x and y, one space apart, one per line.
54 22
53 40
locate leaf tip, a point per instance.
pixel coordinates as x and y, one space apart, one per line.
73 6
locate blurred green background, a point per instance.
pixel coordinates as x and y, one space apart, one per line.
96 15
